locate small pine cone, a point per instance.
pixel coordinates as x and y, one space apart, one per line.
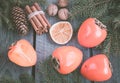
19 18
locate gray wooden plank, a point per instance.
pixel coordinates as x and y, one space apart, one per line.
115 61
44 72
7 37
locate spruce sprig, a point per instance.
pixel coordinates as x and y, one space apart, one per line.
26 78
89 8
23 78
112 43
48 74
8 79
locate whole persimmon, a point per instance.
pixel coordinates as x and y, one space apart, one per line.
97 68
66 59
22 53
92 32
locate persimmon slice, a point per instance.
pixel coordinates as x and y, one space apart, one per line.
22 53
61 32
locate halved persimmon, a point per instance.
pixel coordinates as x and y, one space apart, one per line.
22 53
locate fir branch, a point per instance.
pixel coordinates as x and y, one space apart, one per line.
112 43
26 78
8 79
106 48
87 9
48 74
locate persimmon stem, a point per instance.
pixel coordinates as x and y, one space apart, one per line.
12 45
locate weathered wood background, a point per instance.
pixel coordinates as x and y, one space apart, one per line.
43 72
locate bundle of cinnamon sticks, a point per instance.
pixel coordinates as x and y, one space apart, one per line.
37 18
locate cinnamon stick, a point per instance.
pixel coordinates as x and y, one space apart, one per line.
39 17
35 22
35 27
39 9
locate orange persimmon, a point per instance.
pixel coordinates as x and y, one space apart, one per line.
22 53
92 33
97 68
66 59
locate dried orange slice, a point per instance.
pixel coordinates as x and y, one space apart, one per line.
61 32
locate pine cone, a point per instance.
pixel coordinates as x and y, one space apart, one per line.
20 20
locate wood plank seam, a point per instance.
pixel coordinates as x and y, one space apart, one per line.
91 54
34 45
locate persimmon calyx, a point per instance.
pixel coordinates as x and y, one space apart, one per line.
100 24
56 63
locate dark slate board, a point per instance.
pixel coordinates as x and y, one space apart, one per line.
115 61
44 71
7 68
